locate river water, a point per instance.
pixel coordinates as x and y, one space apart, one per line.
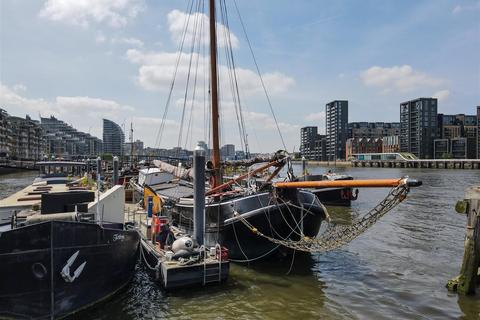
396 270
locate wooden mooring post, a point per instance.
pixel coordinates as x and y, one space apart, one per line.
469 277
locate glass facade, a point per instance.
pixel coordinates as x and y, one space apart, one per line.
113 138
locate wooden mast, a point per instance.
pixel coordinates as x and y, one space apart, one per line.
214 95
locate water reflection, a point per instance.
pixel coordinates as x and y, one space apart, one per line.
343 215
396 270
470 307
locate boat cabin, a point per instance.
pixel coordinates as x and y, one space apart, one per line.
60 171
153 176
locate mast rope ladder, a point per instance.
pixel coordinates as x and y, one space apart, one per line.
334 235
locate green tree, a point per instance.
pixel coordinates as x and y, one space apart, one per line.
107 157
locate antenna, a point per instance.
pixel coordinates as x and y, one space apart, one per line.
132 147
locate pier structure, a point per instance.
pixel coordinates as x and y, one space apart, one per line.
420 163
469 277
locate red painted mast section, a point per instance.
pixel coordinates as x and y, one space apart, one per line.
214 94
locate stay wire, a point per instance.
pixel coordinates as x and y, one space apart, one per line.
233 77
228 62
244 134
158 139
188 137
179 143
259 74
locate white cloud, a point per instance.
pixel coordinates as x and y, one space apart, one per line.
457 9
115 13
441 95
156 70
264 122
199 22
249 80
87 104
85 112
19 87
463 8
128 41
12 99
316 117
146 129
398 78
100 38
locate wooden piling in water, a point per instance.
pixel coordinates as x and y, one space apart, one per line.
469 277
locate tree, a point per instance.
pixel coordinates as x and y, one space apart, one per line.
107 156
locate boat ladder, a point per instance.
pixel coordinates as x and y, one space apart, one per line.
212 273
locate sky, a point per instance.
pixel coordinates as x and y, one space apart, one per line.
82 61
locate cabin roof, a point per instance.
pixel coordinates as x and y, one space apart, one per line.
150 170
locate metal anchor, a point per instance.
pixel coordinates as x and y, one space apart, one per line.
66 269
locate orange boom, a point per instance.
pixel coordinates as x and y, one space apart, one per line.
373 183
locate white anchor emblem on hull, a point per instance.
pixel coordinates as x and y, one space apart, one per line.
66 269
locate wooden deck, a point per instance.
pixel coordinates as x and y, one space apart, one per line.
31 195
27 198
173 274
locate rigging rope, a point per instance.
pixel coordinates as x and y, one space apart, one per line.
200 37
259 74
232 72
335 235
158 139
192 50
195 28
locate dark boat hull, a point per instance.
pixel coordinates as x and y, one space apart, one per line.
279 218
32 259
335 196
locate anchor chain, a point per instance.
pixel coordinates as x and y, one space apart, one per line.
336 235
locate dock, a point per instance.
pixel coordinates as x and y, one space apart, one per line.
469 278
420 163
27 198
207 266
8 166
